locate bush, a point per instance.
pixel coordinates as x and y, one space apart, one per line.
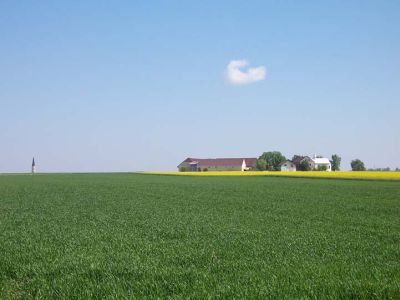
205 170
182 169
357 165
321 168
261 164
304 166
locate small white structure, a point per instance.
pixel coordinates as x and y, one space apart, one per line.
321 163
288 166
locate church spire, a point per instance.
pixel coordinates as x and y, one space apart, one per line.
33 165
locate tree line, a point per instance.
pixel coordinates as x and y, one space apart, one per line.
272 160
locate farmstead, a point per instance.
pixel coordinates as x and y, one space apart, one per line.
297 163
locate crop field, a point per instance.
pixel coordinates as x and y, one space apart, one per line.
116 236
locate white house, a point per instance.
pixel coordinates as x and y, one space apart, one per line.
321 163
288 166
217 164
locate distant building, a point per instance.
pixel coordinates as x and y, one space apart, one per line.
315 163
288 166
217 164
33 166
322 163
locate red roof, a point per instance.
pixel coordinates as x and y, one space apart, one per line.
222 161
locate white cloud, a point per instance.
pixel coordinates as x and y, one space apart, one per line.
239 77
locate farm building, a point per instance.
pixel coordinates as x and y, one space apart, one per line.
217 164
315 163
322 163
288 166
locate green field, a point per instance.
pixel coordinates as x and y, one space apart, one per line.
107 236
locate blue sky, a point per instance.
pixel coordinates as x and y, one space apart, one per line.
141 85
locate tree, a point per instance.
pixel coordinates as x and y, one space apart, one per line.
357 165
321 168
273 160
304 166
302 163
336 162
261 164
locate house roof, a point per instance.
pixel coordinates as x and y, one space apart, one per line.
221 161
286 161
321 160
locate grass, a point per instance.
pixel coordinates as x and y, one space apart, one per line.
115 236
363 175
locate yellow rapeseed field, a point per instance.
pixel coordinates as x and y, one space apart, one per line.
316 174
